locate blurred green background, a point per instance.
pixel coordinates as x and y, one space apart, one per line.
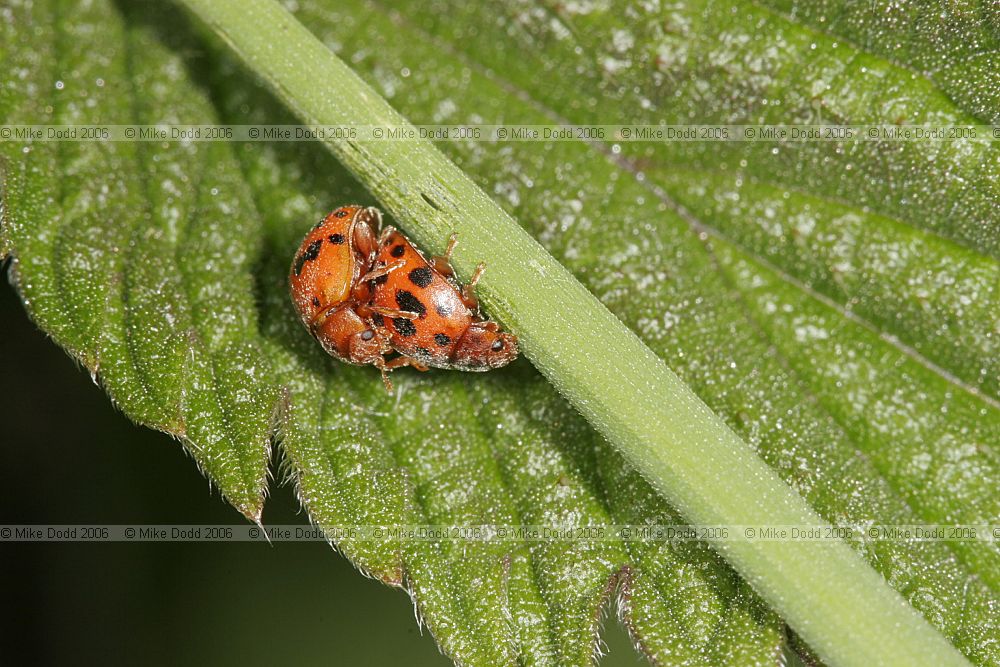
71 457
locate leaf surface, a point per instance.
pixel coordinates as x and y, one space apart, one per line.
836 304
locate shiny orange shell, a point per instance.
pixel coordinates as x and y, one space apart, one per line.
445 333
328 264
417 288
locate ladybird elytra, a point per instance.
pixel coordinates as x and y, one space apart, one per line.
330 259
430 318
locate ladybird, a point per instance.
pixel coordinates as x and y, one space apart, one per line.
430 319
364 295
326 284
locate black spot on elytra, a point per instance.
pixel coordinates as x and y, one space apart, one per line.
315 302
421 277
312 252
442 339
378 320
336 239
406 301
397 251
309 254
340 214
404 326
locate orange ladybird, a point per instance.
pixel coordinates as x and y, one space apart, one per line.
363 298
430 320
326 285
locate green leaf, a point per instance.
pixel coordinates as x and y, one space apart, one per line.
136 257
762 279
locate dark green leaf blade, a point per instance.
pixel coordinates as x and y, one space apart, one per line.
190 245
135 257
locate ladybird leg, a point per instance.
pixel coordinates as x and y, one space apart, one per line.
384 369
452 242
395 314
469 297
442 264
365 228
371 215
480 270
387 231
381 271
400 362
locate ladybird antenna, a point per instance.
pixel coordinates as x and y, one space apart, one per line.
385 377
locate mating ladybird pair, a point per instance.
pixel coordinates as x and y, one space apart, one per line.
365 293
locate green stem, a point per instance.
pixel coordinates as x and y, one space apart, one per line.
824 590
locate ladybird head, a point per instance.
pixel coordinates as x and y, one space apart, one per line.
368 345
343 334
484 346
